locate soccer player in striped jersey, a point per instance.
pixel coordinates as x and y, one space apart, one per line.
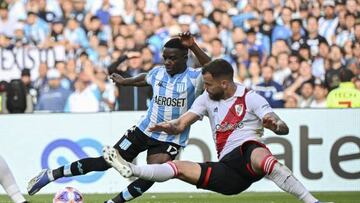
237 118
175 87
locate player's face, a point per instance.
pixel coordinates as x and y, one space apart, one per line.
213 87
174 60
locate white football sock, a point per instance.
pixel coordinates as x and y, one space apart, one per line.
155 172
8 182
283 177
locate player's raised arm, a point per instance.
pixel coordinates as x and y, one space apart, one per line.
176 126
188 41
137 80
275 124
114 66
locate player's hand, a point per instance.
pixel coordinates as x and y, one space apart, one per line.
187 39
117 78
270 122
133 54
167 127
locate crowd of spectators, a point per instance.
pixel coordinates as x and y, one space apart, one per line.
292 52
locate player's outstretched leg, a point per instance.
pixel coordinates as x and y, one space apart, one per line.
263 162
8 182
80 167
137 187
153 172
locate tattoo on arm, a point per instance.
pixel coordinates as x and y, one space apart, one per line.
280 126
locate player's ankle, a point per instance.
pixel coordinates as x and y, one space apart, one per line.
58 173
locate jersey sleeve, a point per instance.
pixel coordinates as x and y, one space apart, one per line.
151 74
257 104
199 106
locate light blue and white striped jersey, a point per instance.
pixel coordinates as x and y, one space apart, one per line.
172 97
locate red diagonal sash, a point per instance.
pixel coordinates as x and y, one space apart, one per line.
231 119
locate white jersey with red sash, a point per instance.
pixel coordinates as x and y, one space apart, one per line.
234 120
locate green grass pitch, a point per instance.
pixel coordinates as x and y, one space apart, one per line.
246 197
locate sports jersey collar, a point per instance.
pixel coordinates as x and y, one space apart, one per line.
240 90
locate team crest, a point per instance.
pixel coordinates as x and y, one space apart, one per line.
239 109
180 87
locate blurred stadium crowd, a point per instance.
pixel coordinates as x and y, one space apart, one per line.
56 52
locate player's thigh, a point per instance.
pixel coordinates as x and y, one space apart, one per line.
158 158
161 152
219 177
132 143
188 171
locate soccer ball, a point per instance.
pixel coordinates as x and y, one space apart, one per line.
68 195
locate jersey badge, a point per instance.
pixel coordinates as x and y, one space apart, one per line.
239 109
180 87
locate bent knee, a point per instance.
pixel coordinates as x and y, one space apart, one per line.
187 171
180 167
258 157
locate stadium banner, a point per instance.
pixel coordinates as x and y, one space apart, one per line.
13 60
322 148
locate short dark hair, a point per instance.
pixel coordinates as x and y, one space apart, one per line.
295 55
175 43
310 82
346 75
251 31
296 20
350 14
219 68
25 72
94 18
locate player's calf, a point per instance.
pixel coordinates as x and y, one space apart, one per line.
80 167
283 178
263 162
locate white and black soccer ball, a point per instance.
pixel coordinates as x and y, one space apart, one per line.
68 195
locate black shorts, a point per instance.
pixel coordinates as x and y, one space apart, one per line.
135 141
233 173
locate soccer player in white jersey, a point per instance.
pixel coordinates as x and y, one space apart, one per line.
7 181
237 118
175 87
